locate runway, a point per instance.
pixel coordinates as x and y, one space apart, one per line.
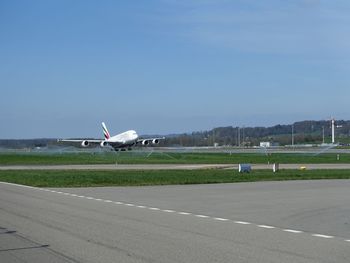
295 221
170 166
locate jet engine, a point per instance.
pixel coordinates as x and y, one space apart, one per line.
155 141
85 143
104 144
145 142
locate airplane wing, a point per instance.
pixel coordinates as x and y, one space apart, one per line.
147 141
82 142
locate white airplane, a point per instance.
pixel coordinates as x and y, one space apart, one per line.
121 141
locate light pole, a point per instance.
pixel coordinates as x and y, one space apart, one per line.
238 137
322 134
333 133
243 136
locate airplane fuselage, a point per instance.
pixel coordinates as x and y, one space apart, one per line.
123 140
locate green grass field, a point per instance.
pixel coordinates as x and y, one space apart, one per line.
70 178
167 158
159 177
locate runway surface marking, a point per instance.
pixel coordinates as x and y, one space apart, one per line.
267 227
324 236
242 222
293 231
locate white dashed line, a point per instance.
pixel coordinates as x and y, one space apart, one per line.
292 231
220 219
323 236
129 204
154 208
169 211
184 213
140 206
242 222
98 199
265 226
118 203
90 198
107 201
202 216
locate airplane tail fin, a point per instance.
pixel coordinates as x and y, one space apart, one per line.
105 131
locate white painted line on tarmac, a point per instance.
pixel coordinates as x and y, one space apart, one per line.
202 216
292 231
141 206
154 208
169 211
184 213
221 219
25 186
242 222
129 204
323 236
265 226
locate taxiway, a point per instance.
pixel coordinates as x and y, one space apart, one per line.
295 221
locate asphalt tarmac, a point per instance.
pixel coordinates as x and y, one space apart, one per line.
293 221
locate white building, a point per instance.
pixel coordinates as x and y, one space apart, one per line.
268 144
265 144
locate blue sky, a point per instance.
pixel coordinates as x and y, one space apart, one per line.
170 66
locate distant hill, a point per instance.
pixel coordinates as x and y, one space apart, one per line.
304 132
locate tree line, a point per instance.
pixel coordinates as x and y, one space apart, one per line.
303 132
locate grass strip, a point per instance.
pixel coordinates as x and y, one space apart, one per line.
73 178
168 158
